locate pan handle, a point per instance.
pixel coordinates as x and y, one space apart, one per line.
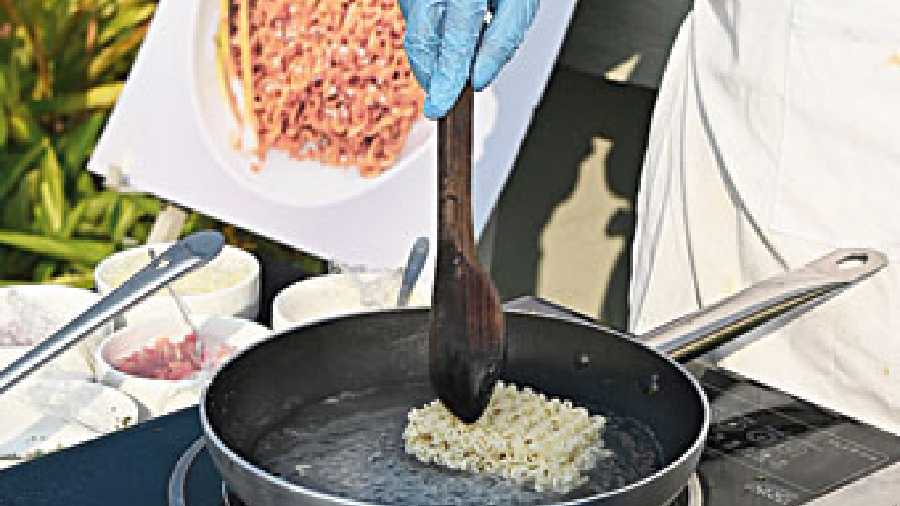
693 335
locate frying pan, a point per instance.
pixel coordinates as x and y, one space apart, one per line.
639 377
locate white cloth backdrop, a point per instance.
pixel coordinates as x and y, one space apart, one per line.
774 141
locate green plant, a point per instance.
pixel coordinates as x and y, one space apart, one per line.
63 63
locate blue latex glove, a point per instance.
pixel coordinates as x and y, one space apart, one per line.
441 36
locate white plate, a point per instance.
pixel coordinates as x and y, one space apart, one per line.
72 412
67 303
283 180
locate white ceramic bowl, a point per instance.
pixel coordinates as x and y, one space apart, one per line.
239 298
157 396
338 294
65 303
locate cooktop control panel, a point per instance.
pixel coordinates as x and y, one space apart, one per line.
766 445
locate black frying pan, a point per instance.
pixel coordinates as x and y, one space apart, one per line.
295 379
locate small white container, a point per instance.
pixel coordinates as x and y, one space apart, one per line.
235 270
158 396
340 294
61 304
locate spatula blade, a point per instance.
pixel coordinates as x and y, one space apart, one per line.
467 345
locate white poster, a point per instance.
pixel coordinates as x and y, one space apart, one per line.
175 132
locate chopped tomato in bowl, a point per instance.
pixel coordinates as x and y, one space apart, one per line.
167 360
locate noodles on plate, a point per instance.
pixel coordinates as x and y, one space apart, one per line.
327 80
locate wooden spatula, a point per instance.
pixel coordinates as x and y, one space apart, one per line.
466 343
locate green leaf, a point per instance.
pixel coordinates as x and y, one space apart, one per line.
17 209
40 223
196 222
4 128
74 250
110 214
32 184
4 89
84 185
34 23
76 280
82 268
140 232
72 220
15 262
13 84
44 270
69 32
99 97
76 144
96 206
22 125
146 206
52 20
61 70
125 219
108 8
53 202
115 52
124 19
51 213
85 229
12 174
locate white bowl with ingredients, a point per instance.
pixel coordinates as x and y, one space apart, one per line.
31 313
161 347
229 285
341 294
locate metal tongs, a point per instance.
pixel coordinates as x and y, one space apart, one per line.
182 257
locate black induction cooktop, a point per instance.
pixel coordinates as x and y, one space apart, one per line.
765 448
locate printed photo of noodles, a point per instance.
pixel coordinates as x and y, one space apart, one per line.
322 80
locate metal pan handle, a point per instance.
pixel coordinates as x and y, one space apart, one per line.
693 335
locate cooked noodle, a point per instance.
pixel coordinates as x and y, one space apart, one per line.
523 436
329 80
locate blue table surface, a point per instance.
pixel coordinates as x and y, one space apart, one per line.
132 465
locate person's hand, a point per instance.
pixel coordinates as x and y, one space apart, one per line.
441 39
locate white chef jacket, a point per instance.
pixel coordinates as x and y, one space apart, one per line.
775 139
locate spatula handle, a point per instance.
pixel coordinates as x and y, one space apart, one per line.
455 176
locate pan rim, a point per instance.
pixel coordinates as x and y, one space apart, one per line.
697 446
